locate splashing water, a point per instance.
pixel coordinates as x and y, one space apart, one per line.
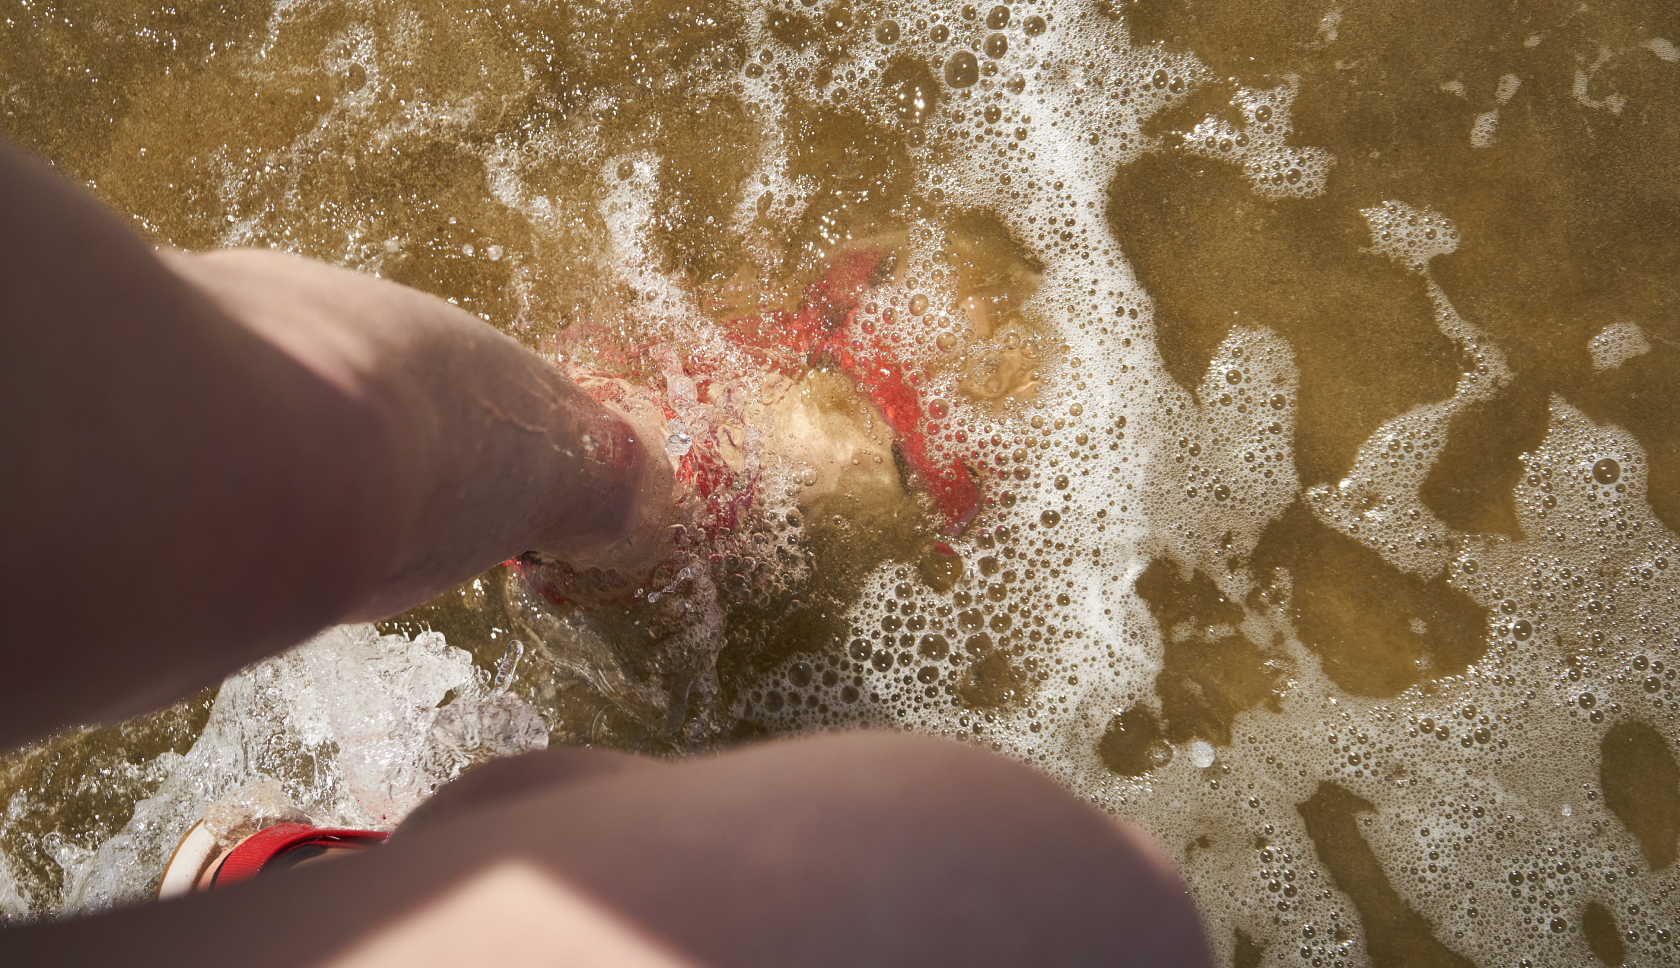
347 730
1258 416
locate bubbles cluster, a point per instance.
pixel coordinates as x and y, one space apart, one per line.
954 466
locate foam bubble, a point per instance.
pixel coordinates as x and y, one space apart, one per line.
1146 606
1617 343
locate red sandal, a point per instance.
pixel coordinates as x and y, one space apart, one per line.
197 866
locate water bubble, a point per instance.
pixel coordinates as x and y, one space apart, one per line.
678 444
934 647
962 70
939 568
939 409
1607 471
887 32
800 673
996 46
1034 26
918 303
998 18
1521 629
1201 753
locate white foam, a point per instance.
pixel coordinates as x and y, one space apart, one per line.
1100 653
348 726
1617 343
1573 602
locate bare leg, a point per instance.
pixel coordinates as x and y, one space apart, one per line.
500 781
859 849
208 458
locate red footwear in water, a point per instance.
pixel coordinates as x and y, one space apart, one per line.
197 865
828 329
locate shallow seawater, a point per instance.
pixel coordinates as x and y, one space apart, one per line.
1260 416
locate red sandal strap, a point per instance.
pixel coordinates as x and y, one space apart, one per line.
254 852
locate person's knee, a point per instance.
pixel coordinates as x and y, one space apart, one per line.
514 777
864 848
947 847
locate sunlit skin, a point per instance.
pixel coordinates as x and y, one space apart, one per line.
220 454
210 457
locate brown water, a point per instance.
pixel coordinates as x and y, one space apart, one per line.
1316 365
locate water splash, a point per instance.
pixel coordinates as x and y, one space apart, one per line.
350 729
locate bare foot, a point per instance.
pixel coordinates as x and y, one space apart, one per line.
746 408
620 562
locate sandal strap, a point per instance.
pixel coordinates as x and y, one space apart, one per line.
256 851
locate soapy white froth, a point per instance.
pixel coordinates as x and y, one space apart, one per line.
1277 759
1073 78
